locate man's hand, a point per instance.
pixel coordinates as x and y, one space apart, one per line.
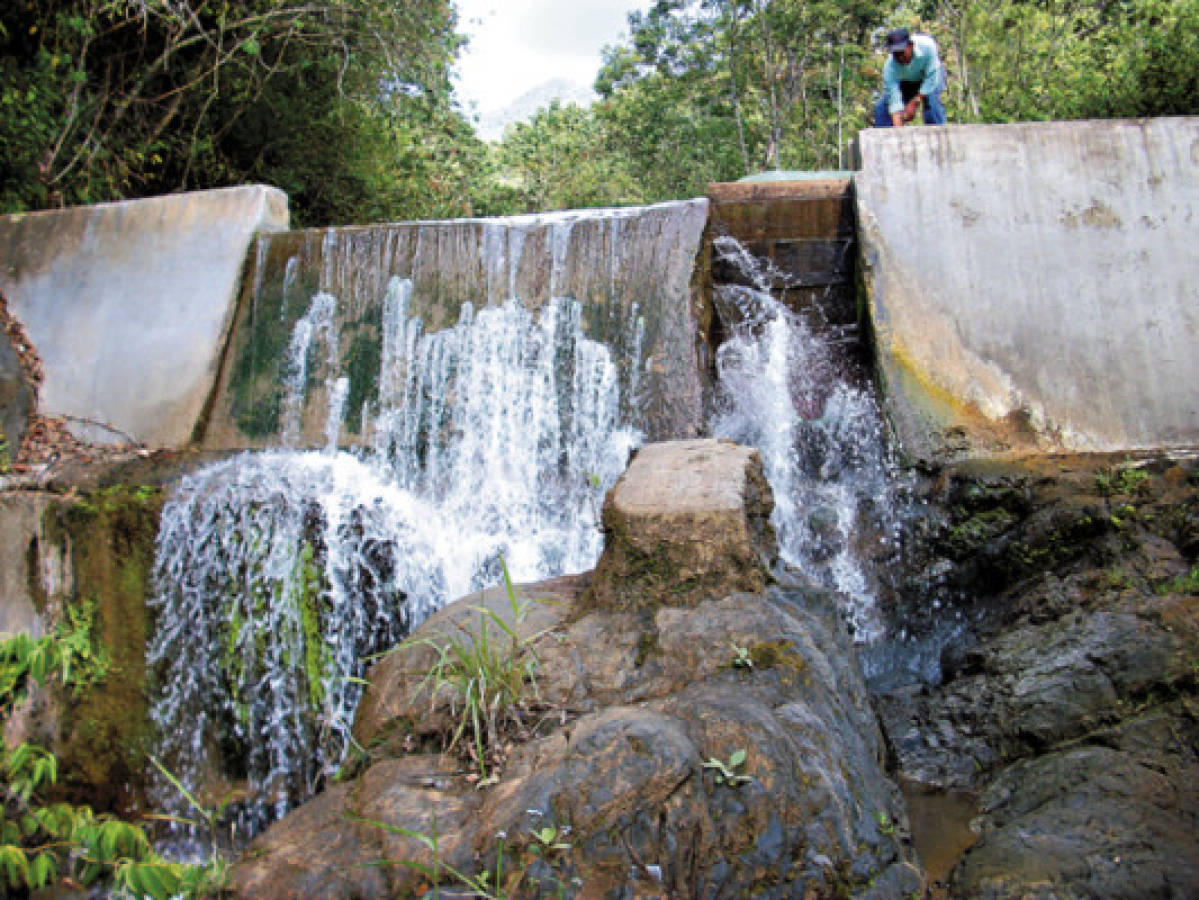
909 111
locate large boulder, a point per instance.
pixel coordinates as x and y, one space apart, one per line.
633 708
638 707
688 520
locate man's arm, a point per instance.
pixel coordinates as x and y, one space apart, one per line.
892 93
932 72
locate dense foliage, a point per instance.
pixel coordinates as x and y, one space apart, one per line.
345 103
711 90
43 840
1016 60
348 105
717 89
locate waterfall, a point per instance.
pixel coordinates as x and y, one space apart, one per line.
318 322
794 390
495 433
279 573
505 422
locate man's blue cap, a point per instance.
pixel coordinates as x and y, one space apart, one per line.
897 40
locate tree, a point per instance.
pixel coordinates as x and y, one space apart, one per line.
716 89
562 159
669 100
1022 60
104 99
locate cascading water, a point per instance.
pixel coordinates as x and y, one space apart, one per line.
800 397
279 573
796 390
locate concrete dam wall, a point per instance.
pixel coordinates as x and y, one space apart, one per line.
129 304
629 270
1029 288
1035 287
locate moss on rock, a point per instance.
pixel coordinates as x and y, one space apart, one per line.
104 728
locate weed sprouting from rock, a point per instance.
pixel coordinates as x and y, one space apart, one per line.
486 675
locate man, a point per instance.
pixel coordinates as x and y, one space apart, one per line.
912 77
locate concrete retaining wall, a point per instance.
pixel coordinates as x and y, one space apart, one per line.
1031 287
1034 286
129 304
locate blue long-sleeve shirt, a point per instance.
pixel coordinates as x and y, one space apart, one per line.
925 67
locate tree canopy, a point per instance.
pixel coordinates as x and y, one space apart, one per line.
348 104
114 98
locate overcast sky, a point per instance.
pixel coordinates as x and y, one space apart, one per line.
518 44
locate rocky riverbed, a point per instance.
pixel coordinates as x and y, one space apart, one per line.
1063 720
1029 729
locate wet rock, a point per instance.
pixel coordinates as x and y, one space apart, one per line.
722 748
1112 817
627 776
1040 685
314 858
338 845
1067 697
824 525
688 520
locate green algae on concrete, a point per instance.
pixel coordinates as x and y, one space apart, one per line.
629 269
262 333
363 360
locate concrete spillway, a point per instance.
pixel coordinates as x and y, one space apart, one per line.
1030 287
129 304
629 269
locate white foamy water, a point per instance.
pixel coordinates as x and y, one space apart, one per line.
794 394
279 573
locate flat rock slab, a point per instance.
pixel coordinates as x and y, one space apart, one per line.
688 521
129 305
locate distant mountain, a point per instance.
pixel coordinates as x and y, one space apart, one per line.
491 124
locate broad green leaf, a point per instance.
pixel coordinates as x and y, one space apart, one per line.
44 870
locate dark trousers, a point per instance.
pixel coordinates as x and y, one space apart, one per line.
934 112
